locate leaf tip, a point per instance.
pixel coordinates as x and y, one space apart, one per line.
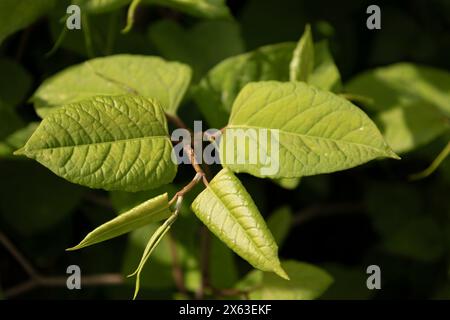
281 273
20 152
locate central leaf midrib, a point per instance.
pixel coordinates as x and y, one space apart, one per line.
305 136
137 219
237 222
100 143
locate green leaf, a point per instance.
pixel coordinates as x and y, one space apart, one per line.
18 14
402 84
32 199
316 132
151 246
302 63
279 223
202 46
219 88
412 102
227 209
16 139
307 282
325 75
152 78
114 143
15 82
152 210
100 6
408 127
211 9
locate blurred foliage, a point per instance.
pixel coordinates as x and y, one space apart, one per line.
342 222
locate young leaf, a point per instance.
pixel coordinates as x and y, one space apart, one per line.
325 75
227 209
114 143
316 132
151 245
302 62
100 6
152 78
18 14
211 9
152 210
307 282
217 91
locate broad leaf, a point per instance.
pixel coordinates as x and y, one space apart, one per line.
217 91
15 82
229 212
219 88
152 77
412 101
307 282
408 127
114 143
150 211
18 14
202 46
402 84
302 63
315 132
279 223
202 8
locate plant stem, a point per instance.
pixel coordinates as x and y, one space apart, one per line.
177 271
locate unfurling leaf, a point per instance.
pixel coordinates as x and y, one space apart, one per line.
151 77
151 245
150 211
314 131
114 143
227 209
302 63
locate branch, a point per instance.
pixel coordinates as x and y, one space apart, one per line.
36 280
205 249
177 271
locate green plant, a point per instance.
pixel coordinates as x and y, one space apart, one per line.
92 134
107 123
